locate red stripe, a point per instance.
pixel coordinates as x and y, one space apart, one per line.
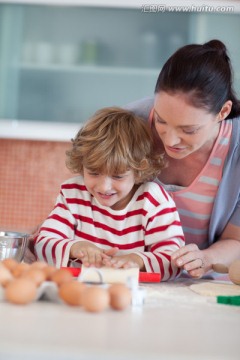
129 214
61 206
62 220
39 239
162 190
109 229
95 240
164 243
86 203
54 231
104 211
77 201
149 261
74 186
44 249
54 250
168 257
163 227
160 262
147 195
163 212
63 251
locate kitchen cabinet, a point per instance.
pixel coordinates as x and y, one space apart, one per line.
62 60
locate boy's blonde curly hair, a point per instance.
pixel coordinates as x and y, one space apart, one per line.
112 142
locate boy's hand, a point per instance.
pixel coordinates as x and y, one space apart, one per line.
90 254
125 262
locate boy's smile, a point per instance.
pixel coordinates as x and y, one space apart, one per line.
112 191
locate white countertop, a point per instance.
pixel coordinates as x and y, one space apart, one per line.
174 323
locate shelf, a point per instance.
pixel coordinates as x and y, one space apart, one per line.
93 69
38 130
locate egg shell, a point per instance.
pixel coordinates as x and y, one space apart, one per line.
95 299
36 275
39 265
5 275
72 292
20 269
49 270
234 272
120 296
10 263
21 291
60 276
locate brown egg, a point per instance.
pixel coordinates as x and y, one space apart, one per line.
234 272
21 291
5 275
36 275
120 296
10 263
49 270
20 269
71 292
95 299
60 276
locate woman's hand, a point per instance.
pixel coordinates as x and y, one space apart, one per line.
125 262
90 254
191 259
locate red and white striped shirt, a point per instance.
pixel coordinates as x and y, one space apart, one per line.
148 226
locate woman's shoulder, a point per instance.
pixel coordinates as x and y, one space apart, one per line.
235 136
141 107
236 123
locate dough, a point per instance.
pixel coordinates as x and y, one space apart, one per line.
215 289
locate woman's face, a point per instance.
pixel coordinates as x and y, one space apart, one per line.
183 128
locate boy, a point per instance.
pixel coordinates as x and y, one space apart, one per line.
113 213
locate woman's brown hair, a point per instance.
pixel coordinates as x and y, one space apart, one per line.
204 74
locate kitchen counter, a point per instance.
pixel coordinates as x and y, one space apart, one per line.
174 323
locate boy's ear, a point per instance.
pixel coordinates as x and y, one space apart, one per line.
225 110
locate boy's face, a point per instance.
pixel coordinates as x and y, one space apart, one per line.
112 191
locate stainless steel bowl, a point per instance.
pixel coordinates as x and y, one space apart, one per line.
13 245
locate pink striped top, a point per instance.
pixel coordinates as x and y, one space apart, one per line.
149 226
195 202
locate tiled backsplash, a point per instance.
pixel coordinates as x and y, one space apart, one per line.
31 173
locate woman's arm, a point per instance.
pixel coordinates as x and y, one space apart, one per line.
224 251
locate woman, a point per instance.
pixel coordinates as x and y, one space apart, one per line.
195 120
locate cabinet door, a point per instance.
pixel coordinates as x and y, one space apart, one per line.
223 26
10 44
62 63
